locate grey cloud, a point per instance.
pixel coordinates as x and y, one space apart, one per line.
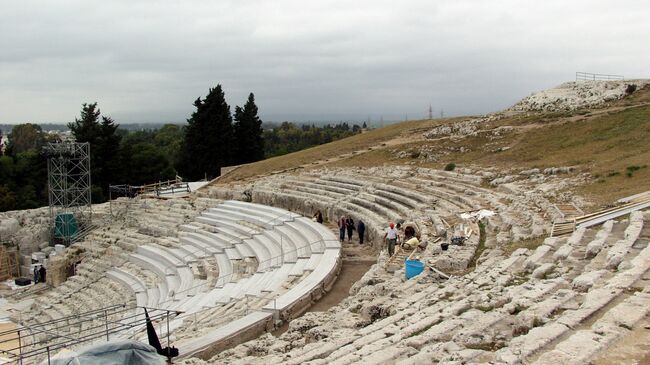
148 60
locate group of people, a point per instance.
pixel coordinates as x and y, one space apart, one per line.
39 274
408 239
346 225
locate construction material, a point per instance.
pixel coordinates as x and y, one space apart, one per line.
568 211
9 267
399 256
562 228
432 268
627 206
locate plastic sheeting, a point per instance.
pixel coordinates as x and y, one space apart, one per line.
112 353
478 215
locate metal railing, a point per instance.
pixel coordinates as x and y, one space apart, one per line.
34 343
586 76
159 188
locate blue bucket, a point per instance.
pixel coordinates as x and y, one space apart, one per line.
413 268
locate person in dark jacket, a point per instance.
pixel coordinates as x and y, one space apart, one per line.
342 229
41 274
36 274
361 230
349 225
318 216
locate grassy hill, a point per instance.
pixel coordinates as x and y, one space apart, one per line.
610 142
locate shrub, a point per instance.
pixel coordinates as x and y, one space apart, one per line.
631 169
630 89
450 166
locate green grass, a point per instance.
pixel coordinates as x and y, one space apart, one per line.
359 142
531 244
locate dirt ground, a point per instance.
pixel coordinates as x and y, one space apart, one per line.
351 272
633 349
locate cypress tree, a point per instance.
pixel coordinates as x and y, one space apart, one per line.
108 153
248 133
208 142
104 147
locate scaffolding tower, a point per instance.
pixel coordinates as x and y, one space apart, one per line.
69 189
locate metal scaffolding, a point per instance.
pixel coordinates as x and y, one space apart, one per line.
69 189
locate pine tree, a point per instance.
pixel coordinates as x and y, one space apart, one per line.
208 142
248 133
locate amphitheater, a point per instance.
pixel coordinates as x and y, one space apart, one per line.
236 266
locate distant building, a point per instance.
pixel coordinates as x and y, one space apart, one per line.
3 143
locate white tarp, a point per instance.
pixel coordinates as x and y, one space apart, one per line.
478 215
111 353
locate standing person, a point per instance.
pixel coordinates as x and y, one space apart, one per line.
41 274
361 230
349 224
342 229
400 234
319 216
391 237
35 274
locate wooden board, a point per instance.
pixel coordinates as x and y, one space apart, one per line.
11 336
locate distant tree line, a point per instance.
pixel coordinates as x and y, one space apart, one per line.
289 137
23 169
213 138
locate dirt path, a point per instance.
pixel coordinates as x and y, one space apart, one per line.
631 349
357 260
351 272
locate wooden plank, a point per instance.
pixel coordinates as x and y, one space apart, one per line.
438 271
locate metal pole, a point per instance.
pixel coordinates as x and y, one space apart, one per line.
168 333
20 348
106 323
48 355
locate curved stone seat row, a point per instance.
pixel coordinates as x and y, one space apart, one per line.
377 199
524 308
285 247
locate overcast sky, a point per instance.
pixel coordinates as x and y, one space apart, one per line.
147 61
